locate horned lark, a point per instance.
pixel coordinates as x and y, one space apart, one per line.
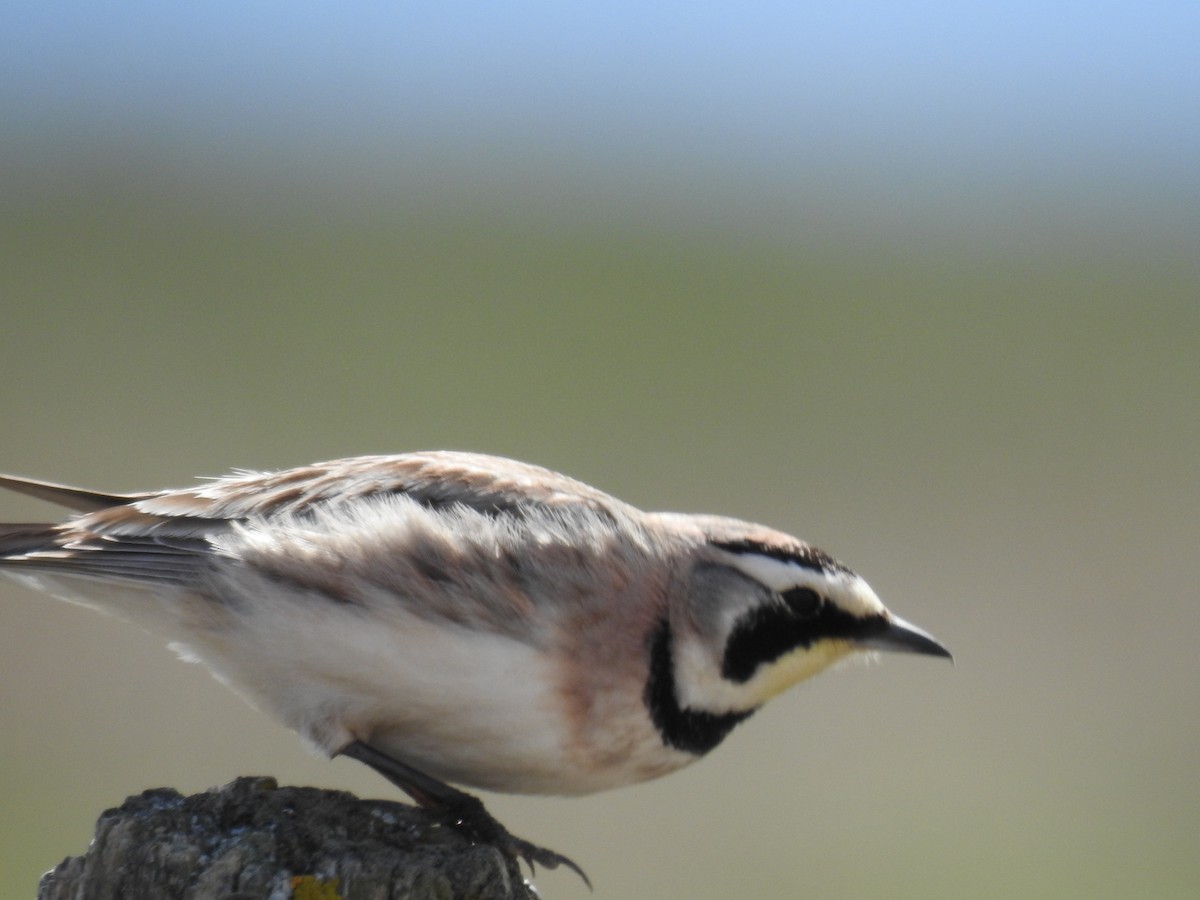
453 617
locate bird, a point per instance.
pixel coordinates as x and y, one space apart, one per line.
452 618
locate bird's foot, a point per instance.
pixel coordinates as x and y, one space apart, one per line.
469 817
462 811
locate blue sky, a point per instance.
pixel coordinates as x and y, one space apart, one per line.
1114 86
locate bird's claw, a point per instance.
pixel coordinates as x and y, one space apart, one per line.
480 826
547 859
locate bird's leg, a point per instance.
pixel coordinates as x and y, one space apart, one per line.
463 811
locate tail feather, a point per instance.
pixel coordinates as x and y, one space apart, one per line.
17 539
122 544
46 548
79 499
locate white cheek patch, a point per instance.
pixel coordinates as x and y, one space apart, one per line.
700 685
698 681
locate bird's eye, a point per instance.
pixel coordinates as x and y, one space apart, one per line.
802 601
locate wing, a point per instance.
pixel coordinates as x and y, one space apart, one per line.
487 484
166 535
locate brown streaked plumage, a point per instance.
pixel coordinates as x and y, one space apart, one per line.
454 617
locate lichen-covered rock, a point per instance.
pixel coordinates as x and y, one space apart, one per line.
253 840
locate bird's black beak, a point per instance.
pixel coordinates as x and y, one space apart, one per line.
898 636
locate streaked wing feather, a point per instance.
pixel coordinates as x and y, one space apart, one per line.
164 535
490 485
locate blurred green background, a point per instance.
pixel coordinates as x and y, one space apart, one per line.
962 353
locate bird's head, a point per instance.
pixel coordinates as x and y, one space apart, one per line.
764 611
